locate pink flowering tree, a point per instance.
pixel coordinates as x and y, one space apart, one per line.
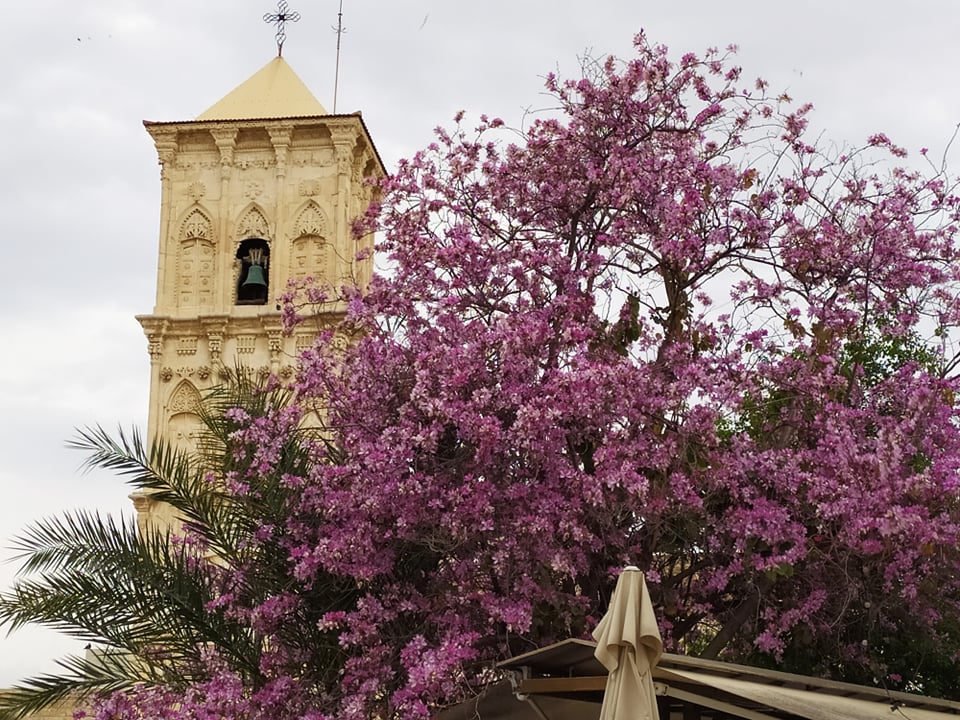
659 326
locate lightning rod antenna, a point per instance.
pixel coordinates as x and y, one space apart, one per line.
336 73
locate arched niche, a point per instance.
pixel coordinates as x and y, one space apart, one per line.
183 421
196 260
310 251
253 257
252 223
253 280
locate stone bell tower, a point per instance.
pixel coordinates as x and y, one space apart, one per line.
260 189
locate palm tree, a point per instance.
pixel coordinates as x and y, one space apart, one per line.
147 600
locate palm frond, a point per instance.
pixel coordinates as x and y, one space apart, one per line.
127 590
148 598
96 673
73 540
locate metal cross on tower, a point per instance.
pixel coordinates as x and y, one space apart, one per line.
281 16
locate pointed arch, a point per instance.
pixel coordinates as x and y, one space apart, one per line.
310 251
183 421
196 260
311 220
252 223
252 268
197 224
184 398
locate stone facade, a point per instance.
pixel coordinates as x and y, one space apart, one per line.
285 186
264 177
63 710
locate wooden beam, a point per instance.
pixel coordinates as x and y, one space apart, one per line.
725 707
547 686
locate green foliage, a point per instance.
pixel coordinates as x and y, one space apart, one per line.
865 360
144 598
875 355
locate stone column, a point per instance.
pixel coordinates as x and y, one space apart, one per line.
226 140
165 141
280 137
344 140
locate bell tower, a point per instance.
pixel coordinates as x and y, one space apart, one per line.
258 190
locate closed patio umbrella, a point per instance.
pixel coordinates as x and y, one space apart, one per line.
629 646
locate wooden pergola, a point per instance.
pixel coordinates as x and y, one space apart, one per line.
565 682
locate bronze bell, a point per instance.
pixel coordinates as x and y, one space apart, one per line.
255 276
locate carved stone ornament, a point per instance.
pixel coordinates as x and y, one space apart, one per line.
184 399
196 225
309 188
187 346
142 502
286 372
248 163
166 144
214 344
226 140
196 190
203 372
184 163
246 344
275 342
314 158
253 189
263 371
252 225
155 329
280 136
166 374
311 222
304 343
344 158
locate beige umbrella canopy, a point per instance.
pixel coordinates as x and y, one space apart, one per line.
629 646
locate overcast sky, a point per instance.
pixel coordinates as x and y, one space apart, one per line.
80 196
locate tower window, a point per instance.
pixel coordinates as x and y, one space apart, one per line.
253 284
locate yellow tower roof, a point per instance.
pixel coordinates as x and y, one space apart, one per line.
274 91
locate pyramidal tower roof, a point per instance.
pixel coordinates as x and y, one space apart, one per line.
274 91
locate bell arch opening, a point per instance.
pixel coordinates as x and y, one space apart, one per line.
253 281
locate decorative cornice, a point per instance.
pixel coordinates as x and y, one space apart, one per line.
226 140
280 137
338 122
154 328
